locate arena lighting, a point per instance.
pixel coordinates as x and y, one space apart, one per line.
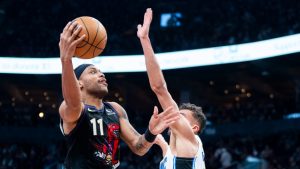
41 115
295 115
170 60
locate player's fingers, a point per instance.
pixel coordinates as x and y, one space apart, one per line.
155 111
166 112
171 116
148 17
77 41
150 13
169 123
67 26
76 32
139 26
171 120
63 39
72 27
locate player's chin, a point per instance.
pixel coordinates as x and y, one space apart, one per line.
104 90
101 93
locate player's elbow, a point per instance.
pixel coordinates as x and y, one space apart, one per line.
137 151
159 89
140 148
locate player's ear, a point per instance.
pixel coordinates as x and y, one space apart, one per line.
196 128
80 84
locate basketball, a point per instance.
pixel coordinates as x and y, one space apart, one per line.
95 40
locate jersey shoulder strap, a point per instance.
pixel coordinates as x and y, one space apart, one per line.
200 146
169 152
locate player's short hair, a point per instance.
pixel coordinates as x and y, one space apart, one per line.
197 114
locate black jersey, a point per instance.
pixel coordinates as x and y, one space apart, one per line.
94 142
184 163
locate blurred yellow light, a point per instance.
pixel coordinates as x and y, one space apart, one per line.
41 114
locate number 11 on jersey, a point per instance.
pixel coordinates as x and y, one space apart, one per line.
100 122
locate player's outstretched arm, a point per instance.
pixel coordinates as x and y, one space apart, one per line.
71 107
155 75
141 143
157 81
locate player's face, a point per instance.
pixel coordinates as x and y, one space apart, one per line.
188 114
94 82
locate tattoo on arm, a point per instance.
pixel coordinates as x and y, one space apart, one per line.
139 145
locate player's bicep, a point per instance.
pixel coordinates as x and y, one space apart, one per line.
70 114
69 117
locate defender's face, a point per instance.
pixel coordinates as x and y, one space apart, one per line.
188 114
94 81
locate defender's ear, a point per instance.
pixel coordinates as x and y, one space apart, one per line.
196 128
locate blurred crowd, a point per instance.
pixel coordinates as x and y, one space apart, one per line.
256 110
279 151
30 116
33 28
26 115
32 156
139 105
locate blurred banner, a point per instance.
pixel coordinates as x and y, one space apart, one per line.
170 60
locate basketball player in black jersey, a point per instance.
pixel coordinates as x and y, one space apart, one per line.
93 128
185 150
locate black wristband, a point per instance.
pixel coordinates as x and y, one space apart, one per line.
149 136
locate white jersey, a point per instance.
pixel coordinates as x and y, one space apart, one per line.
169 161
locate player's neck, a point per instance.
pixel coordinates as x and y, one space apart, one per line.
93 101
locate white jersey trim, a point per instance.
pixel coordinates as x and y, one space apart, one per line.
169 160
